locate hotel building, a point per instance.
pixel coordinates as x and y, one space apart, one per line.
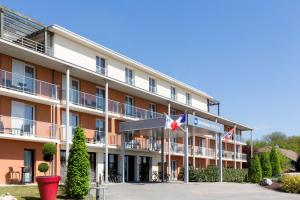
52 80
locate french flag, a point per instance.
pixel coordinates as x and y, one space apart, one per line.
174 124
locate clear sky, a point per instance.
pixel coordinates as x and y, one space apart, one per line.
244 53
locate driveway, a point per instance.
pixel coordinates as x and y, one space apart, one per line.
193 191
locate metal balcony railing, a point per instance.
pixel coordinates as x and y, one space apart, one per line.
21 83
143 144
139 113
27 128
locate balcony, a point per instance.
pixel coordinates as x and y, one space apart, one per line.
92 136
241 156
205 152
25 128
97 103
27 85
177 148
143 144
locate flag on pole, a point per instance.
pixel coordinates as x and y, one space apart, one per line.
174 124
228 134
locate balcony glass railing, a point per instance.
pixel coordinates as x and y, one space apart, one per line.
143 144
27 128
101 70
139 113
21 83
203 151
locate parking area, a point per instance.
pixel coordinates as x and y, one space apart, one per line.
193 191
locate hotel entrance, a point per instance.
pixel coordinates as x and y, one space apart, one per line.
129 168
144 168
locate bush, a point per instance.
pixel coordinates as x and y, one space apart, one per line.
211 174
49 150
255 172
43 167
298 164
275 161
266 165
291 183
77 182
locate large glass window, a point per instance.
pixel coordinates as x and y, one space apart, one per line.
173 93
129 78
188 98
100 98
100 65
100 136
152 85
129 109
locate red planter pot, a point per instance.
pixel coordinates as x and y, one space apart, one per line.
48 186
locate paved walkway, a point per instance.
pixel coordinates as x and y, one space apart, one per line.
193 191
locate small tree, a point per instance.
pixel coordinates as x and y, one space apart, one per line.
275 161
77 182
49 150
255 172
266 165
298 164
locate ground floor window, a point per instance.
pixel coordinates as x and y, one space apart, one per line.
28 169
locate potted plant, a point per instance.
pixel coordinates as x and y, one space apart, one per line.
48 185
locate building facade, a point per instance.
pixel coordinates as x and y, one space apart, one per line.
52 80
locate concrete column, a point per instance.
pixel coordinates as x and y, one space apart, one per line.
216 147
46 40
162 155
220 157
123 157
106 131
193 151
1 22
68 134
251 144
169 143
137 168
234 136
186 155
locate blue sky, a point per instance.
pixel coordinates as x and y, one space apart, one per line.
244 53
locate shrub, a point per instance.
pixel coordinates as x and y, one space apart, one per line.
43 167
77 182
266 165
255 172
49 150
275 161
291 183
211 174
298 164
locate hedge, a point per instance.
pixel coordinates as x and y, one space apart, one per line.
211 174
291 183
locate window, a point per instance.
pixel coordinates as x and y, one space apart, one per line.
129 76
100 135
129 109
152 85
173 112
23 76
173 93
22 120
152 111
100 65
100 98
188 99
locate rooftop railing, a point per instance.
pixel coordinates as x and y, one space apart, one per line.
27 43
24 84
18 126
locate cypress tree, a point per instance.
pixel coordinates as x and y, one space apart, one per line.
77 182
275 161
266 165
255 172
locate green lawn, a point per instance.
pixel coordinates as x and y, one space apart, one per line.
28 192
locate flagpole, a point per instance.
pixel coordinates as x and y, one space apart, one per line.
186 150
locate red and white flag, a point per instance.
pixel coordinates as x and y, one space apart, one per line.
228 134
174 124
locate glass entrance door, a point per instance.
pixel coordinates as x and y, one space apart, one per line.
74 91
92 157
144 168
28 176
129 106
100 98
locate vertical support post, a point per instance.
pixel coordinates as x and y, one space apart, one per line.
67 112
216 147
186 154
251 138
193 149
234 137
1 22
123 156
220 157
169 143
162 155
45 40
106 131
